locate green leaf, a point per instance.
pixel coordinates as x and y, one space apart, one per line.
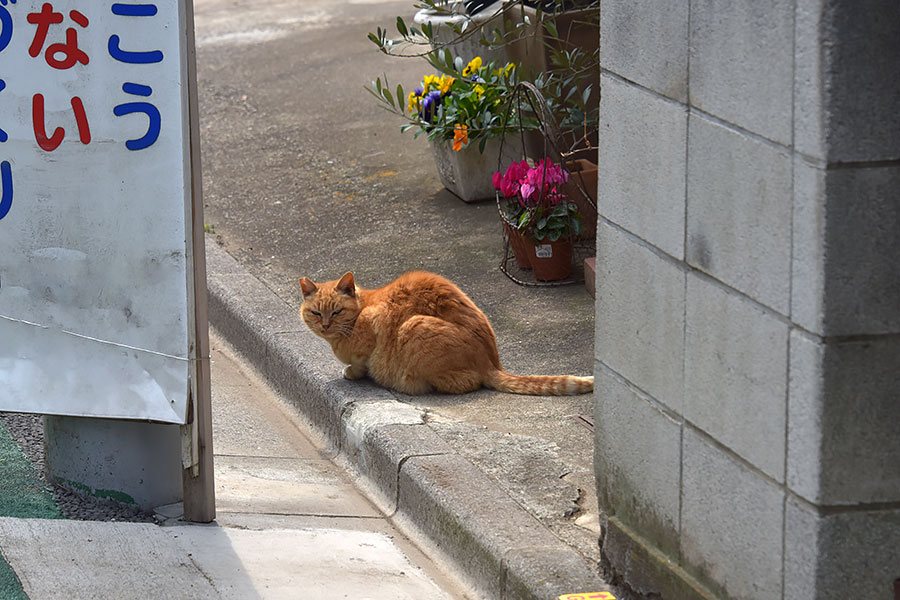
586 94
554 234
523 219
401 98
401 27
551 28
387 94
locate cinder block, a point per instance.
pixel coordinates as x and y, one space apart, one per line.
735 373
739 211
845 555
642 164
843 443
647 45
857 93
809 131
741 57
808 247
640 315
637 459
649 573
846 276
731 524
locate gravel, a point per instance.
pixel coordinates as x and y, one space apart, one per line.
28 431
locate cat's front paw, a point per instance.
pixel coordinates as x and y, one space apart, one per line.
351 372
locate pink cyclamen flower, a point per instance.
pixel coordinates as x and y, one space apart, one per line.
526 190
511 180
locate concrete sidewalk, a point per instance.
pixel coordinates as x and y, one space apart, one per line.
503 525
290 524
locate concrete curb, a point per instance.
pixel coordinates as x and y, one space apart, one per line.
499 548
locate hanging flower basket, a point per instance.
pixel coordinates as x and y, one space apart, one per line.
551 261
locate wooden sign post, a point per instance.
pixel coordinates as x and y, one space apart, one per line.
102 263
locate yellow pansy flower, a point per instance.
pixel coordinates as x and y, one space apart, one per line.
479 91
413 103
444 83
504 71
473 66
429 81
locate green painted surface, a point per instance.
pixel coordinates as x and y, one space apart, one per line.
111 494
10 588
22 493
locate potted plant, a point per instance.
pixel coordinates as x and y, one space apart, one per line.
464 110
536 207
554 43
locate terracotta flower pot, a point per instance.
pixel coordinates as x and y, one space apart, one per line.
551 261
519 244
585 173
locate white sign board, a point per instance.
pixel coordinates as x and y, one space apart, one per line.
95 223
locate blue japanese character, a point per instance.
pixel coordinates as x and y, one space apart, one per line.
150 56
3 136
145 107
6 25
6 182
133 10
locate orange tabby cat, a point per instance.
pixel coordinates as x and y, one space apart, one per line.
419 333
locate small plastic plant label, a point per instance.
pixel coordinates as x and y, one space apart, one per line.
588 596
543 251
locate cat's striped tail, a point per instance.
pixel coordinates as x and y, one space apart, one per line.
539 385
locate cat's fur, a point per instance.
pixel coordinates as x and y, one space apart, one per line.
419 333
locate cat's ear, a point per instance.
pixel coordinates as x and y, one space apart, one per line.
346 285
307 286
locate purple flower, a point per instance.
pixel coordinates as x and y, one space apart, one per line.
430 104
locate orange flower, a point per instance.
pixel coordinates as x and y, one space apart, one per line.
460 137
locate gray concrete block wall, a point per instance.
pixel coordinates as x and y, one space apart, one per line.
653 132
646 45
732 522
644 494
748 311
736 373
741 63
739 210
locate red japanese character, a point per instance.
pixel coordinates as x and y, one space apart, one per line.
70 51
52 142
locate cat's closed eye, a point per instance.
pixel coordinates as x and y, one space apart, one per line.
316 313
337 312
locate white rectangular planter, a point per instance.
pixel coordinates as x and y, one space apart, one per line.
468 173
